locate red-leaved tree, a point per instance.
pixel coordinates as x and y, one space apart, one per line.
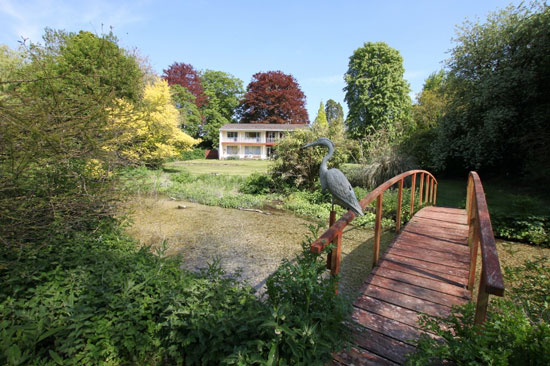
185 75
273 97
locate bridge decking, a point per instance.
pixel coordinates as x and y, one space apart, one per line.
425 270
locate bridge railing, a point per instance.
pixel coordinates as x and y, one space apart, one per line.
481 232
427 194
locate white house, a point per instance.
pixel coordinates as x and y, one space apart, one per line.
252 140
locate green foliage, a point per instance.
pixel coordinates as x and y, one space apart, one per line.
529 286
224 92
97 299
499 86
190 116
194 154
431 102
376 93
258 183
381 169
302 289
295 167
10 62
321 121
54 171
516 331
506 338
532 229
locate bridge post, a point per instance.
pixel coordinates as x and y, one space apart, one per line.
412 193
377 231
331 221
421 190
399 205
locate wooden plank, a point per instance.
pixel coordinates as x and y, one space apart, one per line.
423 272
359 357
416 291
436 285
433 244
435 232
427 255
382 345
388 310
427 265
391 328
407 301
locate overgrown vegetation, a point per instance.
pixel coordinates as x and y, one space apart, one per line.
516 332
99 299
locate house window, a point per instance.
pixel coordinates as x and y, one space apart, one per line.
232 150
269 151
271 136
252 150
252 136
232 136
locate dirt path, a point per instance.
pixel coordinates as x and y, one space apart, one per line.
248 241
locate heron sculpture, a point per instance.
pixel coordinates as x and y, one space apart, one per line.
335 181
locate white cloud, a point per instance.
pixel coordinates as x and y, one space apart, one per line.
29 18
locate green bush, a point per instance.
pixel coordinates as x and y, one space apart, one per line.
516 331
382 168
258 183
310 324
100 300
194 154
529 228
506 338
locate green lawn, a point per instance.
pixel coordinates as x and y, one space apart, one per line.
225 167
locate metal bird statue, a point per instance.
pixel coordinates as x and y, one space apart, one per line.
335 181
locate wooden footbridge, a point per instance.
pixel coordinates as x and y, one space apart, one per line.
429 267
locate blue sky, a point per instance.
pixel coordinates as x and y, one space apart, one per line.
312 40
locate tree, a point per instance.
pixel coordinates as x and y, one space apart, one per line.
273 97
320 121
185 75
224 92
499 85
150 131
190 116
54 123
334 111
376 93
335 118
10 62
431 102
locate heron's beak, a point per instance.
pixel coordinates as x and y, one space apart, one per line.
308 145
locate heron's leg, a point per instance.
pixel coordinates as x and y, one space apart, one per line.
332 200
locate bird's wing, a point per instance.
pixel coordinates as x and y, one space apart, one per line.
342 191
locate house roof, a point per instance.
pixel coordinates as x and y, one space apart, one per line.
262 126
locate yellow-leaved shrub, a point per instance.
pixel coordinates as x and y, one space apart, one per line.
149 133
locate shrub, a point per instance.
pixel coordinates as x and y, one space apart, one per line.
380 169
98 299
258 183
530 228
516 331
506 338
295 167
194 154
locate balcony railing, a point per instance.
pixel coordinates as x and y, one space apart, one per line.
243 139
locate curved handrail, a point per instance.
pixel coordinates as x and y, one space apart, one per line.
481 231
336 229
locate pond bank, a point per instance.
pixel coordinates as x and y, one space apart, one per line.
250 242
